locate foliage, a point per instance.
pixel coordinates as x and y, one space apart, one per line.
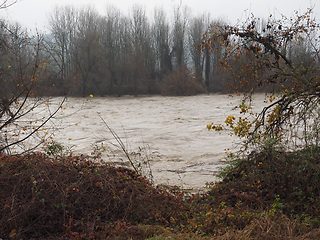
281 57
57 150
287 181
269 188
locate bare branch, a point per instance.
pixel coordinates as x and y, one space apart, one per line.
36 129
7 3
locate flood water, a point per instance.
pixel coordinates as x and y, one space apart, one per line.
169 132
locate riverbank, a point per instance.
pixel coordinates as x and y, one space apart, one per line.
274 195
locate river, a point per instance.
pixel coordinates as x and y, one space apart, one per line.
169 133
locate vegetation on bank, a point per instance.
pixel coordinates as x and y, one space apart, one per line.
270 194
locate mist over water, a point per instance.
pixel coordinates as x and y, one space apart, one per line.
170 131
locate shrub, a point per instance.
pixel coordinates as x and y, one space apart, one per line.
181 82
288 182
45 197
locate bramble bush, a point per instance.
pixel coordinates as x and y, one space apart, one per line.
45 197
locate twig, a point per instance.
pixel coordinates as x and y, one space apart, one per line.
34 131
121 144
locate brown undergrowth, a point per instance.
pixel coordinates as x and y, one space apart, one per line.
72 197
269 195
288 182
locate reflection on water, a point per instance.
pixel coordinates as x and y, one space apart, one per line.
171 130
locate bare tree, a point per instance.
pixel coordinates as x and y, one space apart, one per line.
22 64
143 62
117 48
62 24
196 29
180 24
117 54
162 43
87 51
111 29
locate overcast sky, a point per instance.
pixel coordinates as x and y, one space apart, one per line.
33 13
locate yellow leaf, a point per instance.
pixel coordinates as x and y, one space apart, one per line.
13 233
91 95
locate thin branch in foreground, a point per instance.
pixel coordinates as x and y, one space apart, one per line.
35 130
121 144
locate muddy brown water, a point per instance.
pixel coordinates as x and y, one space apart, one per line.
169 133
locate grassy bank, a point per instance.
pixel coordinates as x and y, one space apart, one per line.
269 195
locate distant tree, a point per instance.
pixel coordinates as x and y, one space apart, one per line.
124 54
142 54
113 41
162 43
87 55
196 30
61 44
179 33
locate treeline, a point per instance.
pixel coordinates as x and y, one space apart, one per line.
86 53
